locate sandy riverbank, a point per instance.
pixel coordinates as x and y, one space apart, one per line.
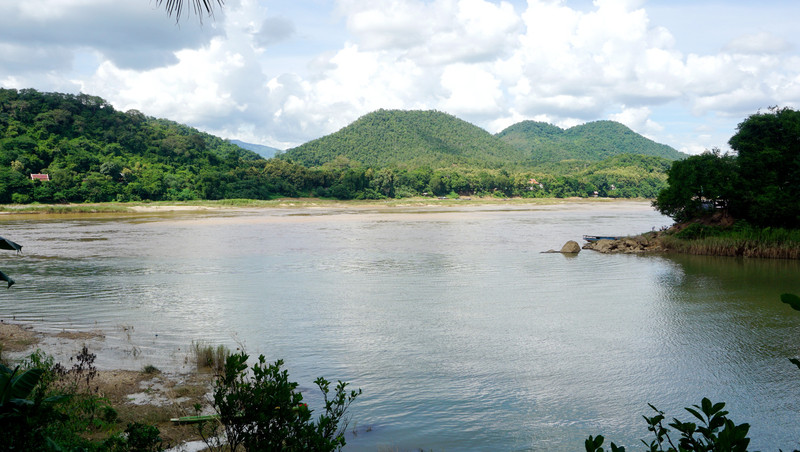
315 203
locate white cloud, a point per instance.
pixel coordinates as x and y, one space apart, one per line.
472 91
759 43
437 32
638 119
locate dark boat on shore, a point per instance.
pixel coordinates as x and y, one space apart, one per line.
594 238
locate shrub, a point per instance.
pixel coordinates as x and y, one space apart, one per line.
716 433
261 410
45 406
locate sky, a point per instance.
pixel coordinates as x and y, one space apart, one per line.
280 73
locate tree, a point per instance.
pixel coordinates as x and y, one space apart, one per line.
768 145
698 184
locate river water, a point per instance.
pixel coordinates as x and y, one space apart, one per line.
461 333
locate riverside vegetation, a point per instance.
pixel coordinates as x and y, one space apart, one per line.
45 406
744 204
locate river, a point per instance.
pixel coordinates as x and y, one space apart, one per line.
461 333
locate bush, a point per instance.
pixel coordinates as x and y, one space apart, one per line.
261 410
716 433
45 406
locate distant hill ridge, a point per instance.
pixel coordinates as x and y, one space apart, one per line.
264 151
414 138
592 141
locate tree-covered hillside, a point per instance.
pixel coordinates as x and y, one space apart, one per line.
409 139
591 141
91 152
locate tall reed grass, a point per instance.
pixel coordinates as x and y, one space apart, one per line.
209 357
739 240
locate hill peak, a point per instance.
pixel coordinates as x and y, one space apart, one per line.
407 138
596 140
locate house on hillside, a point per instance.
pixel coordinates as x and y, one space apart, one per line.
532 183
40 177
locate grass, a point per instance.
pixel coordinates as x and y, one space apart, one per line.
739 240
64 208
209 357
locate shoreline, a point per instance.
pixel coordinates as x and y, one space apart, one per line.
310 203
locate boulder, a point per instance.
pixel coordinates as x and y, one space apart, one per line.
571 247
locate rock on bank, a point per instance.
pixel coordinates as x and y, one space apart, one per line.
644 243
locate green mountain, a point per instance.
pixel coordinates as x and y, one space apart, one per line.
592 141
91 152
413 139
409 139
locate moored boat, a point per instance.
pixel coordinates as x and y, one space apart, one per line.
594 238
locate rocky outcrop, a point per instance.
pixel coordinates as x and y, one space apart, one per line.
644 243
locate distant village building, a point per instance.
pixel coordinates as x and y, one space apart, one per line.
40 177
532 183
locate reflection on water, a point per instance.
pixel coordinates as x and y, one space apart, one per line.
461 333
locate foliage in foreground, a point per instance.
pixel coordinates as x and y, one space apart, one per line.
715 432
261 410
45 406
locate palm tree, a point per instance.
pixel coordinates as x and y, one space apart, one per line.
198 7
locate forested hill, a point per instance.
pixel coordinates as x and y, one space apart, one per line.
91 152
412 139
592 141
409 139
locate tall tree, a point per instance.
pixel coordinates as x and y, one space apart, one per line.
768 145
697 184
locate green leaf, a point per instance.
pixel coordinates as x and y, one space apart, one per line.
696 414
707 408
19 386
593 444
792 300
